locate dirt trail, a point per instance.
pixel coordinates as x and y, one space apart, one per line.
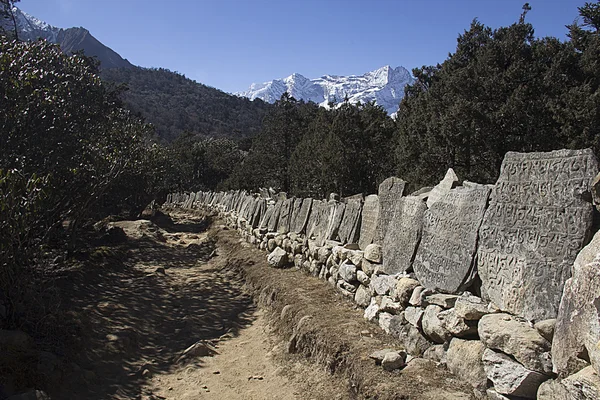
164 291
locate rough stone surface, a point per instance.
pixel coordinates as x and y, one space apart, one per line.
412 339
382 284
433 326
441 299
404 289
442 188
445 258
336 214
505 333
372 310
350 225
456 325
416 298
390 192
546 328
369 221
389 305
362 277
373 253
403 234
301 218
436 353
584 385
393 360
379 355
471 307
277 258
274 218
536 223
577 332
464 360
362 297
413 316
347 271
510 377
385 320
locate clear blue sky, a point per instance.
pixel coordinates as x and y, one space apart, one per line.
229 44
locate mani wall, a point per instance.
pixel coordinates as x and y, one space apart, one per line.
493 281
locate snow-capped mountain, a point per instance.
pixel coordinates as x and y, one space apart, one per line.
384 85
70 40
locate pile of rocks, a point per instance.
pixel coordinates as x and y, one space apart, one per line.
469 275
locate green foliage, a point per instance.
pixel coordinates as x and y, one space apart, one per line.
175 104
501 90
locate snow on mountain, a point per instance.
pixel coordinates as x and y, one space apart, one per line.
384 85
70 40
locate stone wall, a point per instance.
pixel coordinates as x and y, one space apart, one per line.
473 276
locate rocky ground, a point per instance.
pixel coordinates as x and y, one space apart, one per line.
181 310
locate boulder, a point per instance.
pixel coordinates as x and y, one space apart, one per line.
413 316
278 258
505 333
414 342
440 299
394 360
470 307
546 328
373 253
404 289
576 339
510 377
416 298
362 277
389 305
372 310
436 353
362 297
584 385
379 355
463 359
382 284
456 325
347 271
433 326
384 321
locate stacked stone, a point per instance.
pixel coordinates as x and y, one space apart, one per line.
470 275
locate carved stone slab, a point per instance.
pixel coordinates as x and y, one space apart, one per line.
403 235
335 219
369 221
275 216
301 218
264 221
390 191
536 223
259 210
314 219
349 227
445 257
283 226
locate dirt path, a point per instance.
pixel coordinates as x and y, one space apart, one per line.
154 297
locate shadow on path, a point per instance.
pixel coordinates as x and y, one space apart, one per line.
138 318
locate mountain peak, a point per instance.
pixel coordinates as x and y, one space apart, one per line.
384 85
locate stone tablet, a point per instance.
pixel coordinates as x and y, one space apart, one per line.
369 221
283 226
259 210
445 257
314 220
275 216
349 228
301 219
403 235
264 221
390 191
535 225
335 219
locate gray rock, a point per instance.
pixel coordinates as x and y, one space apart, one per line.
372 310
436 353
470 307
505 333
369 221
520 244
546 328
390 306
385 320
379 355
414 315
458 326
277 258
412 339
349 227
440 299
362 296
301 218
355 256
373 253
394 360
433 326
362 277
382 284
441 189
510 377
368 267
335 220
584 385
416 298
445 258
403 234
464 360
404 289
274 218
347 271
271 245
347 287
390 191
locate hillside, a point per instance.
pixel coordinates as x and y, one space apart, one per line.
176 104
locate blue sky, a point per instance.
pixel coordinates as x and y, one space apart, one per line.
229 44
